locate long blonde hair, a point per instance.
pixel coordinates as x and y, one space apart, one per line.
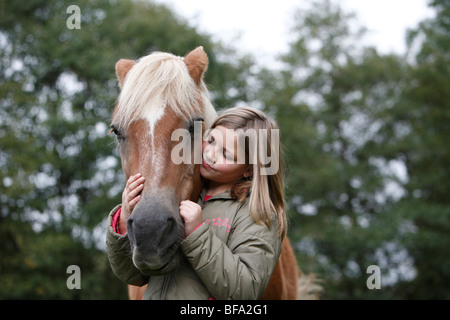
266 191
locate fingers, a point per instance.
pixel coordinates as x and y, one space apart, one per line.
135 184
189 204
133 202
134 181
131 179
135 189
131 193
189 209
191 213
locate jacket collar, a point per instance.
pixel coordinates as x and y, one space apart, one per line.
224 196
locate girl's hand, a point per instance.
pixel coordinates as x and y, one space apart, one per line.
130 196
191 213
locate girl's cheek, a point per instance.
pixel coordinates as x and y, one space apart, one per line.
204 144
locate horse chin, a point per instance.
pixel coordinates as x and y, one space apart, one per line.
157 269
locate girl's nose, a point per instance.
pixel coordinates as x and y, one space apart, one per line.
209 154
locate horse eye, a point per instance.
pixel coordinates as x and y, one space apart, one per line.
192 124
118 134
191 128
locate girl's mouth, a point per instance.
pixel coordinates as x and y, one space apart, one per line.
207 166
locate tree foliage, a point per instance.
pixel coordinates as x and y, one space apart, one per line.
60 173
365 135
366 140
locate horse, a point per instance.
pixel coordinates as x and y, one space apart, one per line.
160 93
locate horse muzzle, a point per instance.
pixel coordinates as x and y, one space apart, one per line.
155 230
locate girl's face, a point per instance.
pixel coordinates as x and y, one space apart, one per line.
220 157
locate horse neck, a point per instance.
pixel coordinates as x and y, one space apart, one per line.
198 186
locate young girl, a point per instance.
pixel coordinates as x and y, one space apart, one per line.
235 230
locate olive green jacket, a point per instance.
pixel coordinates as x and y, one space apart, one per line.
229 256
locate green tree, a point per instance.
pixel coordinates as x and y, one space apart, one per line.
365 137
59 170
424 147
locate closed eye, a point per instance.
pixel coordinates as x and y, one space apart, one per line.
192 123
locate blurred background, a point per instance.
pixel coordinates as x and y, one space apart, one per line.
365 129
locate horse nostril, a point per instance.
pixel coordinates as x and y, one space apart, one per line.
170 224
129 224
168 231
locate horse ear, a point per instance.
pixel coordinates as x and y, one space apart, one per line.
197 63
122 68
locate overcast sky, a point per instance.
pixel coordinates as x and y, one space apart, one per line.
264 24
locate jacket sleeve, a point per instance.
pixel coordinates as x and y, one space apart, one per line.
239 271
120 256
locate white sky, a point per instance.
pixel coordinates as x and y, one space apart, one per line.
264 24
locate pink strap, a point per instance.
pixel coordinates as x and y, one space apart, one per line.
197 227
115 222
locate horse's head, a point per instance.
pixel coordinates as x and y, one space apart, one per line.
160 94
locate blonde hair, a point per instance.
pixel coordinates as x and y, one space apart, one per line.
158 80
266 191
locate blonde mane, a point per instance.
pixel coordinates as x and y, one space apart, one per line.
156 81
